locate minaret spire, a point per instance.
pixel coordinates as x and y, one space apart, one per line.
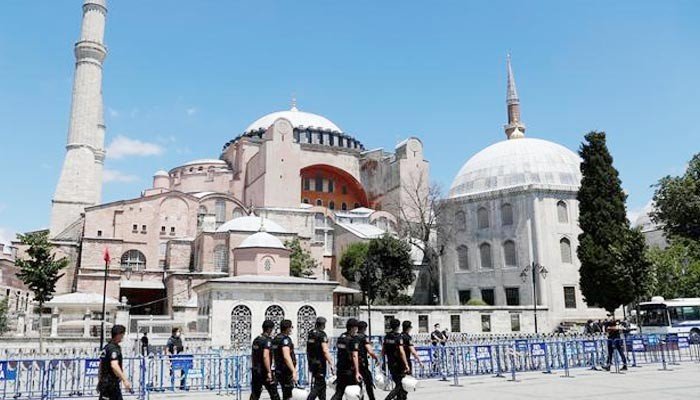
80 183
515 129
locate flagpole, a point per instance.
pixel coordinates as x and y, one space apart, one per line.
104 298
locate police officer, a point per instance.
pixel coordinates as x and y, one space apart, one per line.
437 337
261 369
396 359
365 351
111 372
348 363
408 347
173 347
285 359
319 357
612 327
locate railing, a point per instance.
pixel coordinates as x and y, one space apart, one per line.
227 373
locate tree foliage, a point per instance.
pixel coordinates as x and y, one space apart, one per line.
677 203
301 262
353 260
4 311
676 271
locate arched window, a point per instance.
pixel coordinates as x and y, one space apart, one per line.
221 258
220 209
344 206
275 314
306 319
463 257
237 212
565 248
241 327
133 259
509 253
201 212
483 218
319 202
562 212
460 221
331 205
210 174
485 255
507 214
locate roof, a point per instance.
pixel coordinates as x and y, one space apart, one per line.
297 118
161 173
251 223
204 161
262 240
346 290
518 163
79 299
363 231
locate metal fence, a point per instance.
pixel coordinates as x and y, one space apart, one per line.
228 373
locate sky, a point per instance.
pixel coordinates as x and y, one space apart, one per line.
183 77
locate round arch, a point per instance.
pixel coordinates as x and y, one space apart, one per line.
334 183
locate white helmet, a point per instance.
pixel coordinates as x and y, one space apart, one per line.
409 383
330 382
299 394
353 392
379 378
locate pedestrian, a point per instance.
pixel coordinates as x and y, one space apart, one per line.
396 360
110 370
408 346
319 359
612 328
589 328
261 364
437 337
348 363
285 359
174 347
366 351
144 344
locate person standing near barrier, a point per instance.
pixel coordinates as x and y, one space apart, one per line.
408 346
319 359
437 336
174 347
348 360
285 359
396 360
261 364
366 351
612 327
110 371
144 344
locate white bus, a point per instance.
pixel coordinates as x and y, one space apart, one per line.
681 316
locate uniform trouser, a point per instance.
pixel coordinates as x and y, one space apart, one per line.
397 393
257 382
345 379
368 381
286 381
110 392
616 344
318 383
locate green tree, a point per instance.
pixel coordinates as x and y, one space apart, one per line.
301 262
677 203
603 222
40 270
4 310
676 269
353 260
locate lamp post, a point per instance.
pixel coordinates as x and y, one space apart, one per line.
104 298
534 269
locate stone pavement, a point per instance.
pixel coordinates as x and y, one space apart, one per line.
647 382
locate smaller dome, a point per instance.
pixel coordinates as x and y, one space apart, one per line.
251 223
204 161
297 118
261 239
161 173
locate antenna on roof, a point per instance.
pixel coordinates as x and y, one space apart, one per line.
294 103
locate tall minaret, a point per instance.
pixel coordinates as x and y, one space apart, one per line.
515 129
80 184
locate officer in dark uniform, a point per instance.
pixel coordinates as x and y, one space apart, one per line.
408 347
348 363
366 350
612 328
285 359
261 360
319 357
173 347
396 360
111 372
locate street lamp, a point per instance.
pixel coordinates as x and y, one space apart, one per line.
534 269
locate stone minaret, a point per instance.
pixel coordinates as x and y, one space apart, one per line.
515 129
80 184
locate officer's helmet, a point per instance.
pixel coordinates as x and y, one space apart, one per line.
353 392
299 394
409 383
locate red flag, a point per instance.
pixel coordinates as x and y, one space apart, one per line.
106 255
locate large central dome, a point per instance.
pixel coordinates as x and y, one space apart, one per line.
297 118
516 163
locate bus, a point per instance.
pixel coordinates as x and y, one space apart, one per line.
680 316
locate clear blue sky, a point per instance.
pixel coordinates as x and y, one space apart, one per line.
187 76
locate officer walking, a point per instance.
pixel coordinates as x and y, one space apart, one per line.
348 364
111 372
396 360
612 327
365 351
319 357
173 347
408 347
285 359
261 369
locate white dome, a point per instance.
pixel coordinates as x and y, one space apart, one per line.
297 118
250 223
261 239
161 173
518 162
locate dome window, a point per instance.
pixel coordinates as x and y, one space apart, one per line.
483 218
562 212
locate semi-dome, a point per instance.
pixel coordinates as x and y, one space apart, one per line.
251 223
297 118
261 240
516 163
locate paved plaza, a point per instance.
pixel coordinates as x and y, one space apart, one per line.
680 382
